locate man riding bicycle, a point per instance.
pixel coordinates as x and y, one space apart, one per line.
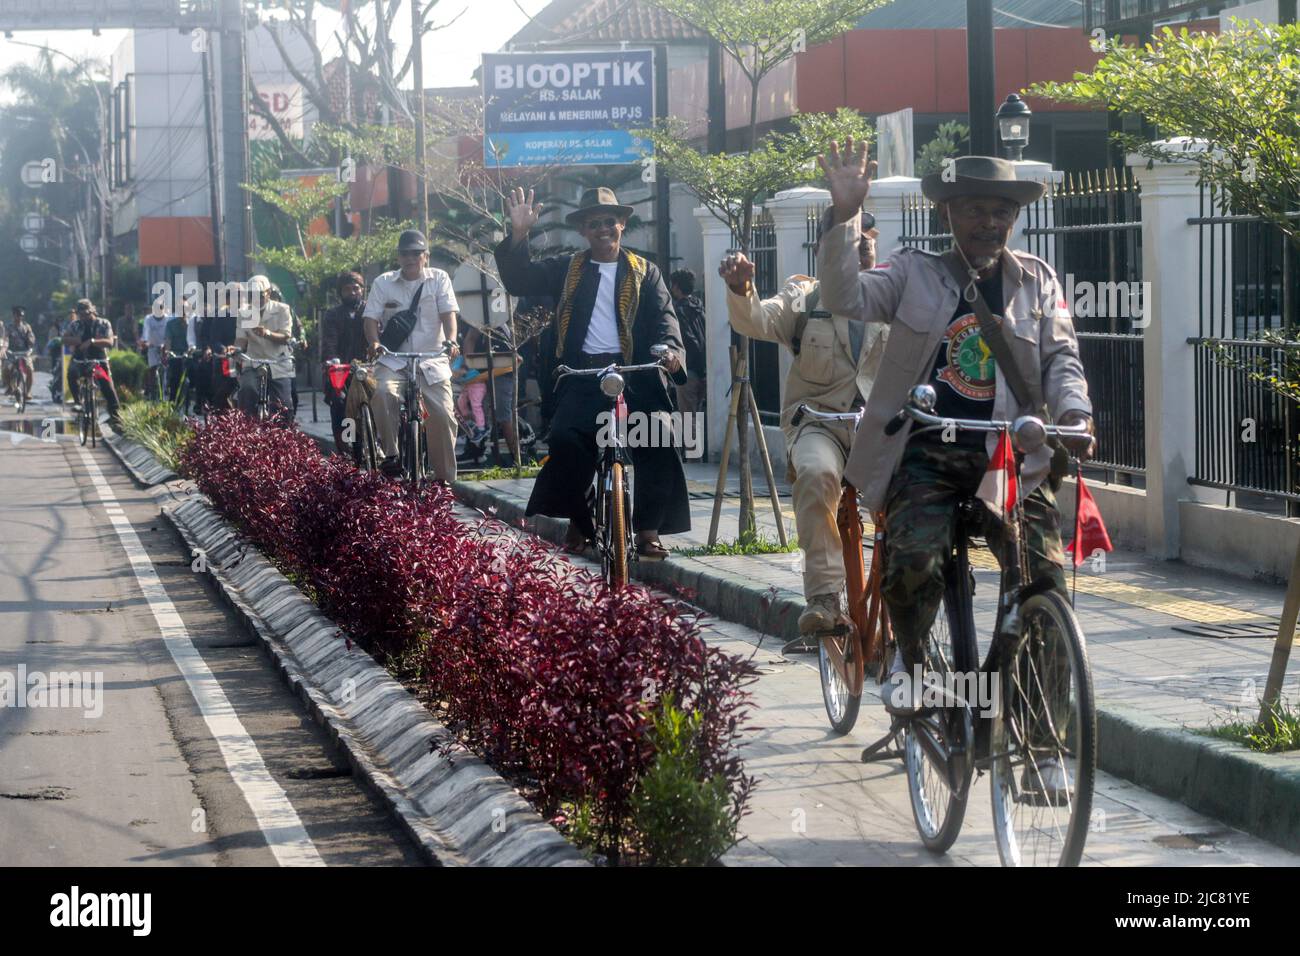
21 339
936 337
835 363
266 333
613 306
90 338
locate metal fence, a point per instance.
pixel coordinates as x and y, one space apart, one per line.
1089 228
1247 435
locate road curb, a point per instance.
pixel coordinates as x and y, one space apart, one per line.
1260 793
456 808
137 460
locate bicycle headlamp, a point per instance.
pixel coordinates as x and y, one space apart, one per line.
1028 434
923 397
612 384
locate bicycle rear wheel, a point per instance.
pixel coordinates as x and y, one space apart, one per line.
937 748
1045 741
614 528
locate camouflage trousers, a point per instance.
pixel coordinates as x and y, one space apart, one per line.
920 517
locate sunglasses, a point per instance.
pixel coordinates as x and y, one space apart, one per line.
605 222
410 252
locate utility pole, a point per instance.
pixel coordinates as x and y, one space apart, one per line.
717 101
234 137
663 208
417 62
979 71
214 204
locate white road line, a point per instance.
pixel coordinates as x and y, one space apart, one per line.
284 832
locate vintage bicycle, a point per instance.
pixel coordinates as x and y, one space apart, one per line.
262 370
1038 739
94 371
20 371
411 441
612 501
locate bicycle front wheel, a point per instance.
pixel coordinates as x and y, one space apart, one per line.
840 656
615 529
365 449
937 745
1045 742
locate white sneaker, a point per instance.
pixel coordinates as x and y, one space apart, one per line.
1048 779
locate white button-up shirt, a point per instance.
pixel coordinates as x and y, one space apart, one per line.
390 293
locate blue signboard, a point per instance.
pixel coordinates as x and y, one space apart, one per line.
573 108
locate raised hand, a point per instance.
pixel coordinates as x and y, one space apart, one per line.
738 272
848 176
523 213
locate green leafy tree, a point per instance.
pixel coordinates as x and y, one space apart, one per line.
1239 91
946 144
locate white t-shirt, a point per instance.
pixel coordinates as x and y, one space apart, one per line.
390 293
602 333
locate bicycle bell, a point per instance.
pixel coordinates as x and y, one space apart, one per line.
1028 433
923 397
612 384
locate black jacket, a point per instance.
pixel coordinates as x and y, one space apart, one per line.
342 335
690 314
655 322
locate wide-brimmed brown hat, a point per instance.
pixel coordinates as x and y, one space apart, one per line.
600 199
982 176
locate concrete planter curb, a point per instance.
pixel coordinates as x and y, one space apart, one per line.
1260 793
138 460
457 809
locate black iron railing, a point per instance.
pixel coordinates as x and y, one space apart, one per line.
1247 435
765 357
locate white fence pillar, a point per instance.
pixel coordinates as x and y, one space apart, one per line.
885 202
1170 254
717 240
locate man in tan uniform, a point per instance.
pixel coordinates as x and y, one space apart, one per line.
835 363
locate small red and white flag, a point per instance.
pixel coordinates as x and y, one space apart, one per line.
998 488
1089 532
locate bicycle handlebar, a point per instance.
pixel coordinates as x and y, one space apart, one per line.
803 411
245 357
1029 431
563 371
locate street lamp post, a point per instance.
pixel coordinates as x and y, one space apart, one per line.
1013 126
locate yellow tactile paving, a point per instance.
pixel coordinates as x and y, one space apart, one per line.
1189 609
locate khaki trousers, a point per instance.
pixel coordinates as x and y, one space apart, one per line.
439 427
817 458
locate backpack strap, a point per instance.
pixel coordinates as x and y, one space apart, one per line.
810 302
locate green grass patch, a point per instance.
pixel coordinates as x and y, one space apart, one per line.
500 473
746 544
1279 732
159 427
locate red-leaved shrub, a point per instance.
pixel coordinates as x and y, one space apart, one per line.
543 670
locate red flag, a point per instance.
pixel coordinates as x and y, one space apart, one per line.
998 487
1089 532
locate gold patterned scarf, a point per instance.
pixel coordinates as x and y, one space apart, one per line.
627 296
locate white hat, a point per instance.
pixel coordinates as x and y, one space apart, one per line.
259 282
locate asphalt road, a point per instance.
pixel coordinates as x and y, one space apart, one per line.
138 775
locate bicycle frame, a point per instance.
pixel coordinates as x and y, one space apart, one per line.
413 414
612 382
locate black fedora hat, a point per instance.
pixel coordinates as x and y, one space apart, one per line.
599 199
982 176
